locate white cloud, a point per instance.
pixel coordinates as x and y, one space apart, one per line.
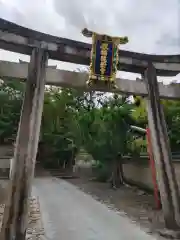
144 22
152 26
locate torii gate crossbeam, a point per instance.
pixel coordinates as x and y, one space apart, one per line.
62 78
19 39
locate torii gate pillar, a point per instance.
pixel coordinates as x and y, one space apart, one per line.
16 212
162 154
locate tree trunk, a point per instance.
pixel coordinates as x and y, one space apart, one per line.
121 175
117 173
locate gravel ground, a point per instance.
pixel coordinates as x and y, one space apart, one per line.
70 214
3 190
136 204
130 202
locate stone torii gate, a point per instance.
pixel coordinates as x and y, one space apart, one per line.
42 47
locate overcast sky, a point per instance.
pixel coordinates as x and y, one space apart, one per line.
151 25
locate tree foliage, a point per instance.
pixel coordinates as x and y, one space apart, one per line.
97 122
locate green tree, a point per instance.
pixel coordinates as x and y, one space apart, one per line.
172 114
106 133
11 96
95 121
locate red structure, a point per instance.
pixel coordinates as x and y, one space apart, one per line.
153 169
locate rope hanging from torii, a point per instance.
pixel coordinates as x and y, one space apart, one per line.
104 58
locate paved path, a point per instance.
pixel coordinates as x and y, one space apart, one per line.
70 214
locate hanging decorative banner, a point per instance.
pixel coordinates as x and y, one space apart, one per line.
104 58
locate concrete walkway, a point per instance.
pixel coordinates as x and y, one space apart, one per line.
70 214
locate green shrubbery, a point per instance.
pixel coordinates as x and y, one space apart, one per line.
97 122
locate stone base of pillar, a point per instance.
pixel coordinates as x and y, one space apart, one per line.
35 230
169 234
2 208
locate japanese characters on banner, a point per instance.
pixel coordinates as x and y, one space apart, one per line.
104 58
